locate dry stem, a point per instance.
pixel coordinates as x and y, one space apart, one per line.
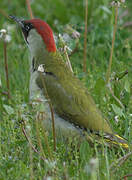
112 48
4 13
85 38
119 162
125 177
31 163
30 143
68 60
6 69
29 9
117 100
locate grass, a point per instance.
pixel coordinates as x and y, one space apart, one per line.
17 159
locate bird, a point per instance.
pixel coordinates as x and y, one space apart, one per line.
75 111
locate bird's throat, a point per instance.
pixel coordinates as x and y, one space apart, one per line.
36 45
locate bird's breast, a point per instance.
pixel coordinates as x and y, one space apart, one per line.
63 127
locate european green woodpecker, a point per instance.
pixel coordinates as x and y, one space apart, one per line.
75 111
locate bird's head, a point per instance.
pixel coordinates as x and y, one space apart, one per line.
37 34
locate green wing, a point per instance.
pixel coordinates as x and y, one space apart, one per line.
70 98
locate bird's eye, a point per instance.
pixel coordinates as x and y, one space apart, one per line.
27 27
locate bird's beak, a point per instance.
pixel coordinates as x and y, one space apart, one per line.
22 26
20 22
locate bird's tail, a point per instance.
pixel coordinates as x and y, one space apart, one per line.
110 140
116 140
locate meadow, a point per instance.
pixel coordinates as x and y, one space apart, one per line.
24 153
